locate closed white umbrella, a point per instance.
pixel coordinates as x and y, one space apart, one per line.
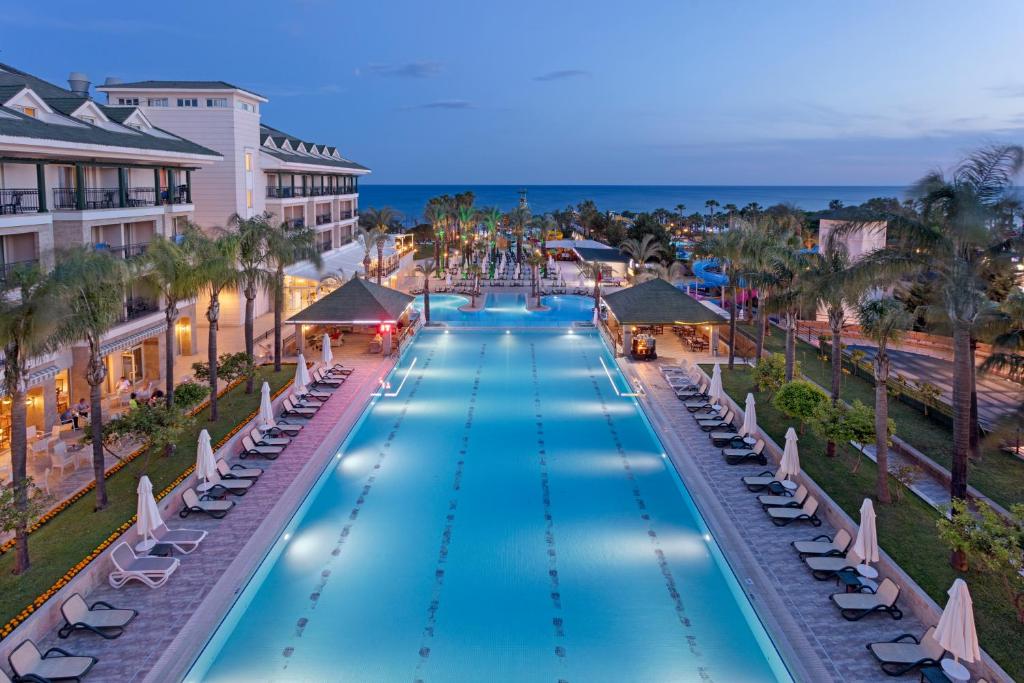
749 427
448 279
582 280
266 416
715 392
326 355
955 630
149 519
866 544
789 466
206 468
301 376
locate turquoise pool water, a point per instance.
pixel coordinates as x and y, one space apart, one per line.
507 517
508 309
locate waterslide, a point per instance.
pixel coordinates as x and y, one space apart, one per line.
707 273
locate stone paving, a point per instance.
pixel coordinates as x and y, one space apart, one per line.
164 611
837 642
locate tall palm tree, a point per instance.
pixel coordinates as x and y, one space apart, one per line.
883 321
536 260
29 321
711 205
425 267
518 219
285 245
366 238
644 250
91 284
827 287
172 270
956 238
492 220
437 217
252 272
727 248
380 221
218 272
591 270
467 219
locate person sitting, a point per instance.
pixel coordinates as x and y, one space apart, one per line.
133 401
68 415
156 398
82 408
123 385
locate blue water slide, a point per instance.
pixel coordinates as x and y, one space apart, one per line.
709 277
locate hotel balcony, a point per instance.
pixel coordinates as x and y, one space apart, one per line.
295 222
69 198
286 192
323 219
6 269
126 251
345 215
19 200
136 307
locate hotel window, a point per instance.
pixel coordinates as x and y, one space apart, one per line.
128 101
216 102
158 102
245 106
29 111
190 102
248 199
248 161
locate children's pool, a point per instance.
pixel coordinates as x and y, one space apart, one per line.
508 516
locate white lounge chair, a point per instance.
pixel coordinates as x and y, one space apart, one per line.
29 664
764 480
152 571
236 487
854 606
100 618
193 502
183 540
237 471
793 501
291 408
281 427
906 653
251 448
824 545
263 440
808 512
826 567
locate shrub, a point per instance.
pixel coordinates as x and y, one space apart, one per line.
230 367
831 425
188 394
800 400
160 426
770 373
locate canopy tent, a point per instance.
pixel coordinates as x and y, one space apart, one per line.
601 254
357 302
657 302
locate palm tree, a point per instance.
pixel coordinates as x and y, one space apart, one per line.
536 260
285 245
727 248
492 219
365 238
655 271
710 205
379 221
730 209
172 270
474 271
467 218
436 216
883 321
647 248
91 285
29 311
424 268
956 238
681 210
218 272
519 218
828 288
591 270
253 275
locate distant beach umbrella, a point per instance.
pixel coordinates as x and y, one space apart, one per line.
955 630
866 544
206 467
301 382
715 392
266 416
326 355
149 519
790 464
448 279
749 427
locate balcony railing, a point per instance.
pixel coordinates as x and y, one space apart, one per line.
175 195
125 251
286 192
274 192
323 219
109 197
6 269
345 215
138 307
18 200
295 222
141 196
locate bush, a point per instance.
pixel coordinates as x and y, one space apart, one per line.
770 373
800 400
230 367
188 394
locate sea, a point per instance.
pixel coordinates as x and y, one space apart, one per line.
410 200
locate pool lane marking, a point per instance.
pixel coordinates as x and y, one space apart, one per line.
611 381
449 524
325 572
384 384
555 593
671 584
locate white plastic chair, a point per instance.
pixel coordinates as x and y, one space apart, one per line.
60 458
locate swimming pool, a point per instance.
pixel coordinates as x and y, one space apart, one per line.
508 309
507 517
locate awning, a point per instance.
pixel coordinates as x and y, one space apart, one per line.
358 302
131 340
657 302
342 262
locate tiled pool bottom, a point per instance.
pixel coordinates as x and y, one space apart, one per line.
506 517
508 309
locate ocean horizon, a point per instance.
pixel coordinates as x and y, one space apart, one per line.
410 200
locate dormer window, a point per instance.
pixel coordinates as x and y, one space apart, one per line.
29 111
88 119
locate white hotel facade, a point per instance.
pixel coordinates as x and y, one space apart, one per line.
111 176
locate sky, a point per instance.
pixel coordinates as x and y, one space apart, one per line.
579 92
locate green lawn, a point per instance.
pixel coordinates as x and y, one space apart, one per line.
78 530
906 530
999 475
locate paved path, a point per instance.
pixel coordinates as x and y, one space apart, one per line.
839 643
164 611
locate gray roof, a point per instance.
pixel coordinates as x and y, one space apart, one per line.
12 81
357 300
279 139
657 302
602 255
178 85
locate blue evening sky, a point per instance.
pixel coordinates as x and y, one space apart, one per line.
578 92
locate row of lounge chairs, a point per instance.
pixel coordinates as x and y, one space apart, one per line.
103 619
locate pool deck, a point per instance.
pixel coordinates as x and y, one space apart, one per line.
815 641
175 620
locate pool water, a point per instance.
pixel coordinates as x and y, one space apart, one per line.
508 309
508 516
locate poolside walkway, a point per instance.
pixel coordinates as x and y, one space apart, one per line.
163 612
838 643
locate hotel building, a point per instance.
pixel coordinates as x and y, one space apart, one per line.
75 172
